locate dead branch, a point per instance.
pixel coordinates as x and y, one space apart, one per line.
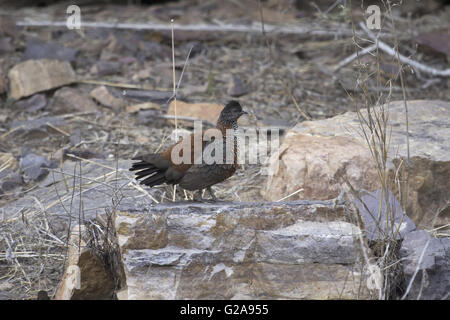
416 65
255 27
354 56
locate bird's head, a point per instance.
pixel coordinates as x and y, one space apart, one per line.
231 112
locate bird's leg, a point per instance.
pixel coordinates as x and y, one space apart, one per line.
211 192
198 196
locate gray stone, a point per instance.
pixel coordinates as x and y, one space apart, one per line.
237 87
75 137
5 45
104 68
398 224
34 166
2 82
103 96
33 104
37 49
34 76
67 100
86 277
432 281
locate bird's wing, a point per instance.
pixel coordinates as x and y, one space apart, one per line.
203 175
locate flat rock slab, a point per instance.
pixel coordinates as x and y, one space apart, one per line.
33 76
262 250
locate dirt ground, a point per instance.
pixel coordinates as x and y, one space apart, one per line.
288 77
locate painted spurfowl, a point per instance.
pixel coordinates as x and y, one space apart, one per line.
196 171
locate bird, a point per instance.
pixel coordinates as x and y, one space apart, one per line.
161 168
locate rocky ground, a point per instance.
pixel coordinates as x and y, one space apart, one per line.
80 100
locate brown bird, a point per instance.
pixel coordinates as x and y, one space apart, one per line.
158 168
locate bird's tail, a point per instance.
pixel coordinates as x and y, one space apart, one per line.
151 169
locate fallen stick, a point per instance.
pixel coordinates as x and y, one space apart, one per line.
253 28
416 65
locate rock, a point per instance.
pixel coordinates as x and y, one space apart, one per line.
2 82
8 26
33 76
128 60
37 49
5 45
9 180
159 97
34 166
153 50
75 137
383 223
315 153
202 111
142 106
85 276
237 87
33 104
36 128
197 48
294 250
178 134
42 295
142 74
432 281
311 163
436 40
105 98
68 100
104 68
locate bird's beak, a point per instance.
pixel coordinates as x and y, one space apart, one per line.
244 112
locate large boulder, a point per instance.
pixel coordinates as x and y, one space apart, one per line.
314 154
